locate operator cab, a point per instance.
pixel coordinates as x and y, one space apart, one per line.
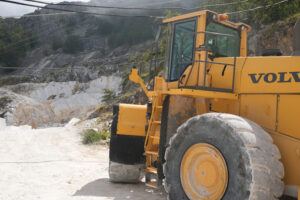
195 42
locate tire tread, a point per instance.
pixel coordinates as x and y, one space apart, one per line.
264 156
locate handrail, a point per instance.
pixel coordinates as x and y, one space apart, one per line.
206 61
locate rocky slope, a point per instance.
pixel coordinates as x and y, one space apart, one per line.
278 35
42 104
82 67
51 85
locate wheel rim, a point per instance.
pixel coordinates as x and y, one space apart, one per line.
203 172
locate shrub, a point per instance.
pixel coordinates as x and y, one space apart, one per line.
108 96
73 44
57 44
13 80
91 136
128 31
80 87
10 53
4 101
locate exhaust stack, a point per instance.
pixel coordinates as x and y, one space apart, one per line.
296 36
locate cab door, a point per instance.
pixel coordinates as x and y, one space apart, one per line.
182 50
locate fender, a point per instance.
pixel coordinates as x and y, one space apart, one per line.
128 134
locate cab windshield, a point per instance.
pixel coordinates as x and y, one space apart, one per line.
222 46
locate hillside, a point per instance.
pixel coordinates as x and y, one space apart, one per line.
56 39
78 50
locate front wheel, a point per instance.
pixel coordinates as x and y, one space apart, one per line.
222 156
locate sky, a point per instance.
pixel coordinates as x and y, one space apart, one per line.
9 10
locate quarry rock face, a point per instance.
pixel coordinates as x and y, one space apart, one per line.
54 103
52 86
278 35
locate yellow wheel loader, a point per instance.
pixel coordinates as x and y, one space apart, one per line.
219 124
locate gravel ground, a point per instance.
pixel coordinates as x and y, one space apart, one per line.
52 163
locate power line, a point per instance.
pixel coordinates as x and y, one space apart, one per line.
38 15
221 4
159 3
137 8
257 8
97 6
64 68
30 37
73 12
83 12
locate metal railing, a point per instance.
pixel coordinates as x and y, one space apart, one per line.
206 60
155 62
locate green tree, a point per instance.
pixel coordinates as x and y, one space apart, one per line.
73 44
57 44
274 13
127 31
15 42
108 96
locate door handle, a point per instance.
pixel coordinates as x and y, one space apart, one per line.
181 78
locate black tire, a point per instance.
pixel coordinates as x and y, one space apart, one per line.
122 173
254 169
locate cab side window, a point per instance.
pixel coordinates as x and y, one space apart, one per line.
183 47
222 46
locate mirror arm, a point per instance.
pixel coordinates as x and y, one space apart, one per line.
134 77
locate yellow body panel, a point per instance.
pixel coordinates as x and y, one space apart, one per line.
200 94
288 115
260 108
186 16
217 80
131 120
272 74
289 149
243 48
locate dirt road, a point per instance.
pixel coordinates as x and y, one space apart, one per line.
52 164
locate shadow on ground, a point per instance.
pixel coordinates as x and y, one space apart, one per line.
104 188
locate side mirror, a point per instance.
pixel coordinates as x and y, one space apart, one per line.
158 34
296 36
134 77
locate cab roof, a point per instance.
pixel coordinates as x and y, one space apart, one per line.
202 12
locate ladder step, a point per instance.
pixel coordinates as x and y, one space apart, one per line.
152 184
156 122
152 153
155 137
151 170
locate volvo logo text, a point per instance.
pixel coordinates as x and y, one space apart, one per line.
280 77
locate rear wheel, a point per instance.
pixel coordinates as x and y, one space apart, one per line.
122 173
214 156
